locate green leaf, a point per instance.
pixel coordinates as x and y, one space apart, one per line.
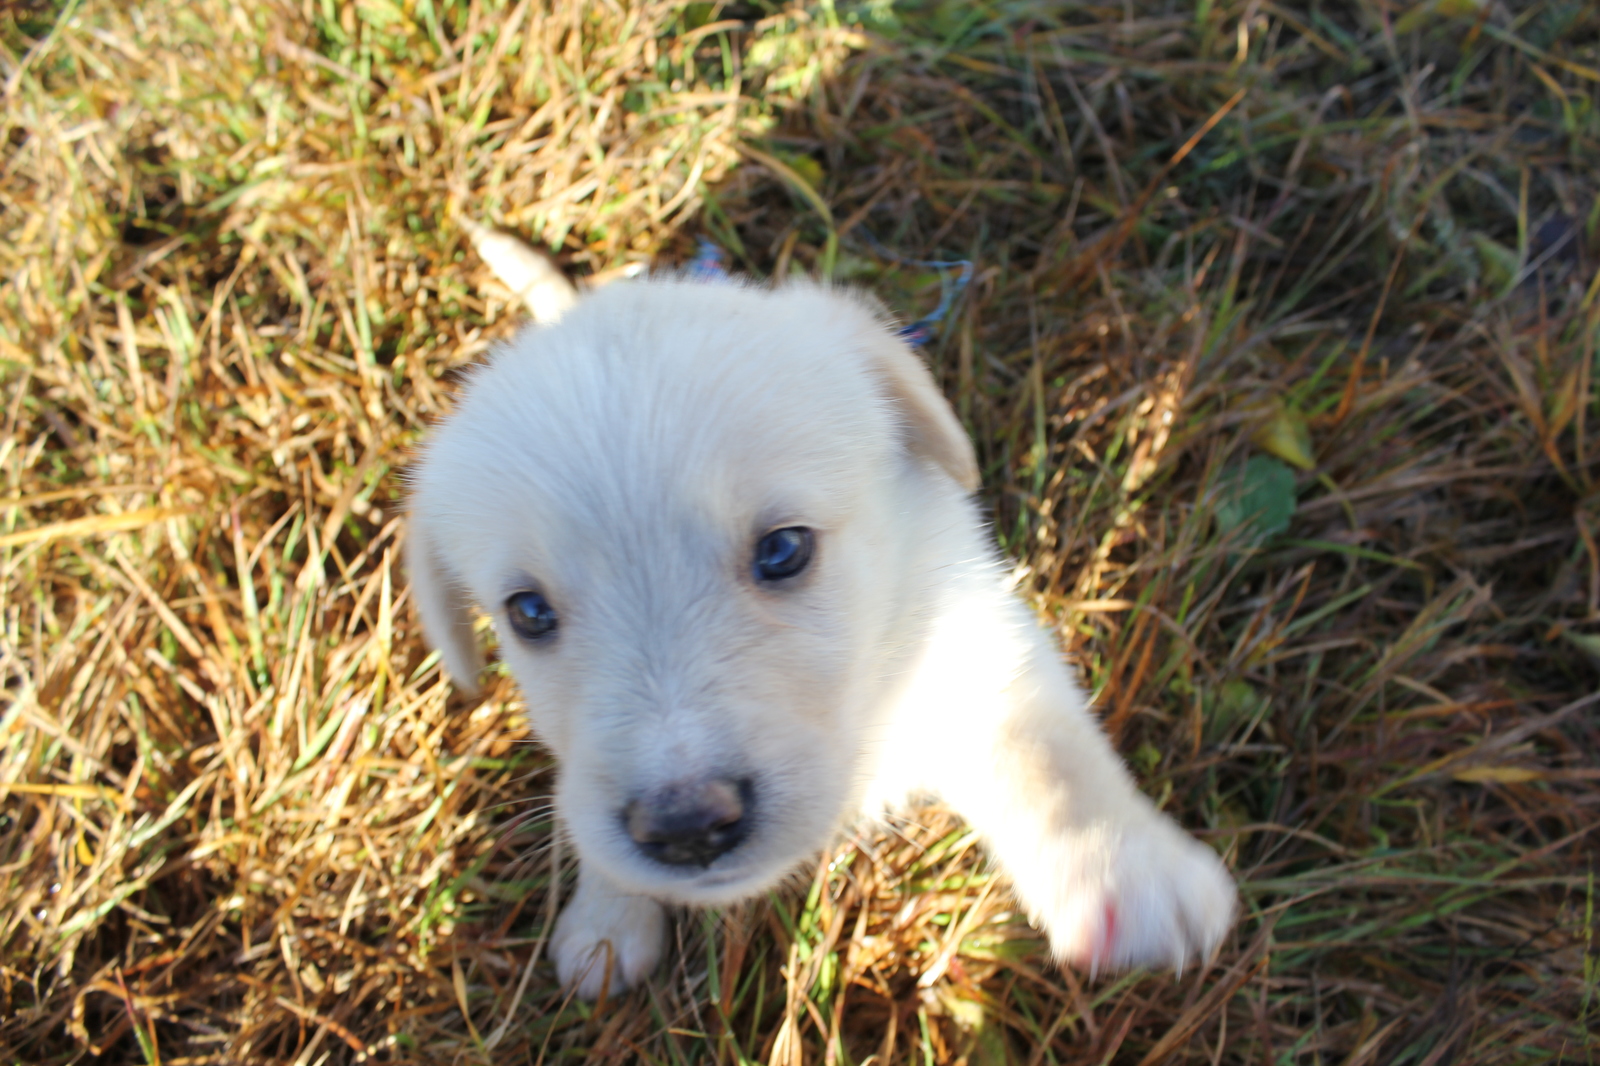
1257 500
1588 643
804 165
382 13
1233 702
1500 263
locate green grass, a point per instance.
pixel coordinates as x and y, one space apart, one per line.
1280 360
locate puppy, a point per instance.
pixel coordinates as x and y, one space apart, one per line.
728 543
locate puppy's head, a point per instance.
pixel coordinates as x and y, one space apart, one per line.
690 511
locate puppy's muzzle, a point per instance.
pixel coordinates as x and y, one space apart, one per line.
690 823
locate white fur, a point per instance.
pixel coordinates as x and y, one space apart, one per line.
624 461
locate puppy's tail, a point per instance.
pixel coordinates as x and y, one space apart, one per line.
527 273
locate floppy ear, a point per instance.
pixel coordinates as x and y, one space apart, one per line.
931 427
443 606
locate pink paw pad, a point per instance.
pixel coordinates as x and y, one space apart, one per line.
1099 944
1110 927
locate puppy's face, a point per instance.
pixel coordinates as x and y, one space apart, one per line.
684 508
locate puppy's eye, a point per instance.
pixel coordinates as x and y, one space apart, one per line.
531 615
783 553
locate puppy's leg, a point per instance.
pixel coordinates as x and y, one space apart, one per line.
532 276
1113 882
603 928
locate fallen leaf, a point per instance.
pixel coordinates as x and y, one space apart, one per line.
1287 436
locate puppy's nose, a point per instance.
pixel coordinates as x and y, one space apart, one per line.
690 823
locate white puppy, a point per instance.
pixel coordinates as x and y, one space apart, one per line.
728 541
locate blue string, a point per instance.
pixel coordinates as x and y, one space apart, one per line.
710 265
922 330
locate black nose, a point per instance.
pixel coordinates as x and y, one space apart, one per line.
690 823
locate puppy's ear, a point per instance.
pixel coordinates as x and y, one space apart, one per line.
931 427
443 606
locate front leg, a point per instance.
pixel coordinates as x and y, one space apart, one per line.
604 931
1112 881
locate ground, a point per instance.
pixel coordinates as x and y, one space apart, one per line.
1279 354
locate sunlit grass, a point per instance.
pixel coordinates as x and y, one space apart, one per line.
1280 361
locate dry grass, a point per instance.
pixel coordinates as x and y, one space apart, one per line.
1293 425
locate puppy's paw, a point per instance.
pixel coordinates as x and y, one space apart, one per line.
1144 894
604 934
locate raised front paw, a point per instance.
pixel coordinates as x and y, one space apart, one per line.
1141 894
604 939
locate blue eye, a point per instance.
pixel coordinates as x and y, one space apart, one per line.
531 615
783 553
